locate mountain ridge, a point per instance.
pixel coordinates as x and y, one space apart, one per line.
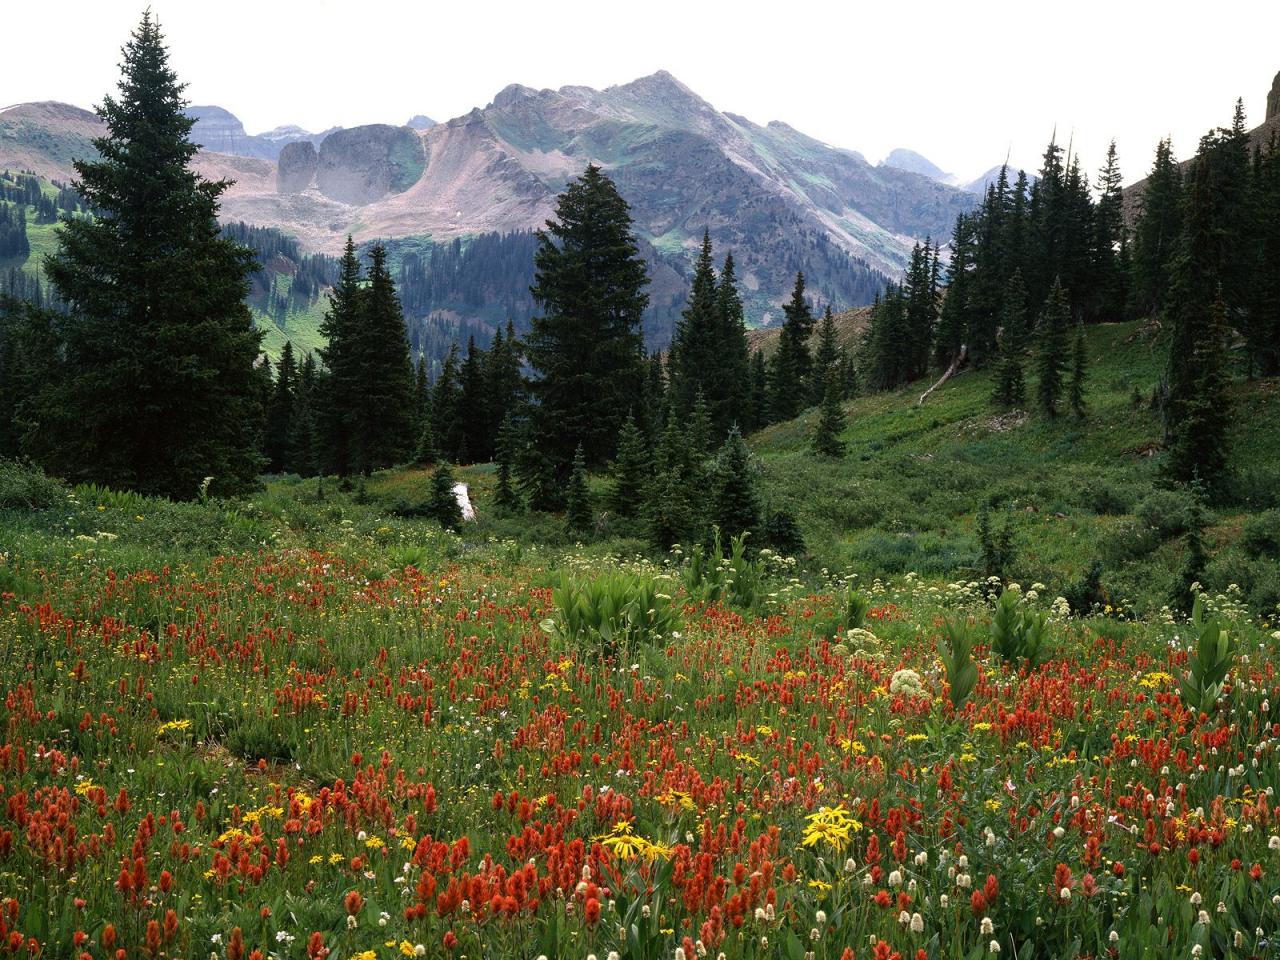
781 200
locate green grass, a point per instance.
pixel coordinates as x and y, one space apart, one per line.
906 495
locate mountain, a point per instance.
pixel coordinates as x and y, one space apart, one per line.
912 162
780 200
419 122
218 130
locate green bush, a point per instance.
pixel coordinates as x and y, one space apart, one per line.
1212 654
955 650
1018 633
27 487
733 579
611 612
1168 512
1261 535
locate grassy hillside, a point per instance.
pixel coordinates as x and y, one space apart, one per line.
906 496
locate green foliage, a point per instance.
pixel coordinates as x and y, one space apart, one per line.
955 650
155 386
735 507
442 506
1018 633
1213 652
25 486
1168 512
577 513
827 441
1261 535
1051 350
850 616
587 346
997 545
711 576
630 471
611 613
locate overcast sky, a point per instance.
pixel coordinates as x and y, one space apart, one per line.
960 82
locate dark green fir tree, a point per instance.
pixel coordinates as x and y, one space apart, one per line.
156 387
827 441
1051 350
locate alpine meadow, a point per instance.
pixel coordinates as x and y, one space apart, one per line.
602 527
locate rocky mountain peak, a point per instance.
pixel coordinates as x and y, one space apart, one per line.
510 94
1273 99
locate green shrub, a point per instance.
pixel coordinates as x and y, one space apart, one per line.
611 612
1168 512
1261 535
955 650
1018 633
27 487
713 577
1212 654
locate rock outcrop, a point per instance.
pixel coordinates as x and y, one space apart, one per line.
296 169
364 164
1273 99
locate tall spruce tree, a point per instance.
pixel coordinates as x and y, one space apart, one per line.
384 410
157 387
735 505
1079 363
1196 409
630 473
1109 290
694 347
304 435
826 437
729 386
792 362
1051 349
586 347
577 511
1156 233
827 356
280 412
1010 389
1263 330
340 386
442 502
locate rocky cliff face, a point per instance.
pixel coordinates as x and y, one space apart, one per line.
364 164
296 168
1273 99
220 131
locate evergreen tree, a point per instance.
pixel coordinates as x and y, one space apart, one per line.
729 387
1010 390
694 346
631 468
758 408
578 514
446 401
792 363
1051 349
953 319
921 292
339 396
653 399
504 494
304 439
1196 411
280 411
473 406
671 507
383 412
827 357
157 387
587 347
504 379
826 438
699 429
442 503
735 505
1079 361
1109 288
1156 233
1262 332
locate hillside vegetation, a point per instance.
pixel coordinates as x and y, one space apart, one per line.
907 495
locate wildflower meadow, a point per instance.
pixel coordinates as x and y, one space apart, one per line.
367 740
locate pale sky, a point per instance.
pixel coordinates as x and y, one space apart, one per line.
960 82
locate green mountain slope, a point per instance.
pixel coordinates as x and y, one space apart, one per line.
906 496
